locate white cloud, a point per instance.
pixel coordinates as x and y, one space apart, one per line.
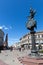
5 27
1 27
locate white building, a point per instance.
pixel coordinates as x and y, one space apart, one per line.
26 39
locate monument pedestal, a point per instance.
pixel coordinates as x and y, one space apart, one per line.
31 61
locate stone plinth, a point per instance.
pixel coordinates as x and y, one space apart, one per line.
31 61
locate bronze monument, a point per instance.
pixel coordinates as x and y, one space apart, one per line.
31 24
33 58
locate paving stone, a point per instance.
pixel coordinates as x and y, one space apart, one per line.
2 63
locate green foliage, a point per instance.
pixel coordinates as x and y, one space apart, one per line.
40 46
40 51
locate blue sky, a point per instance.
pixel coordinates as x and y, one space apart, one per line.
13 17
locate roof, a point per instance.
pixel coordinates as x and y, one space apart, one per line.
29 34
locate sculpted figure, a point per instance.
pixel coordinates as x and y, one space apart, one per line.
31 22
32 13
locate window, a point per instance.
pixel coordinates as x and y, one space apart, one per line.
42 35
38 36
29 37
35 36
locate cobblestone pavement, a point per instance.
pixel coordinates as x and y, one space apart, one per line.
2 63
11 57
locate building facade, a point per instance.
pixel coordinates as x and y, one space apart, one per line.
1 39
26 39
3 44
